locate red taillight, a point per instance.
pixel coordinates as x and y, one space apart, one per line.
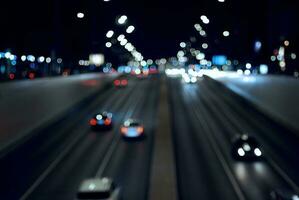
93 122
31 75
107 122
124 130
140 129
117 82
11 76
124 82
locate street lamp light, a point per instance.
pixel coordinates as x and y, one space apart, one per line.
205 19
123 42
122 19
80 15
198 27
183 45
130 29
204 45
202 33
120 38
108 44
110 34
226 33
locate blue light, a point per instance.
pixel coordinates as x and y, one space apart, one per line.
219 60
101 122
7 55
145 67
105 69
31 58
121 70
13 62
197 67
257 46
2 69
153 67
132 132
128 69
32 65
13 58
264 69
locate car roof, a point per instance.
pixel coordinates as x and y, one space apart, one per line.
129 122
96 184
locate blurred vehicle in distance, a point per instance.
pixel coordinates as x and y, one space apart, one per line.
246 148
101 121
120 83
132 128
187 78
98 188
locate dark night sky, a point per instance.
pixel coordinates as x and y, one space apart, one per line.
38 26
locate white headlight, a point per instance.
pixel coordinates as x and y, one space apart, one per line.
241 152
99 117
257 152
246 147
193 80
187 79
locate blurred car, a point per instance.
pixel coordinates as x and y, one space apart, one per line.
101 121
98 188
281 194
132 129
189 78
120 83
246 148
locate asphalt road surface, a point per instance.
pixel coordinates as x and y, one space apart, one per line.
204 117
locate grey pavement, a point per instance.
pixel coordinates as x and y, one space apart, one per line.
275 95
27 104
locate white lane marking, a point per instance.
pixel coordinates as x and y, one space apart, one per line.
51 167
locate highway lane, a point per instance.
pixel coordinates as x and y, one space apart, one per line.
78 154
204 119
20 167
280 143
213 119
131 162
256 179
87 157
200 174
